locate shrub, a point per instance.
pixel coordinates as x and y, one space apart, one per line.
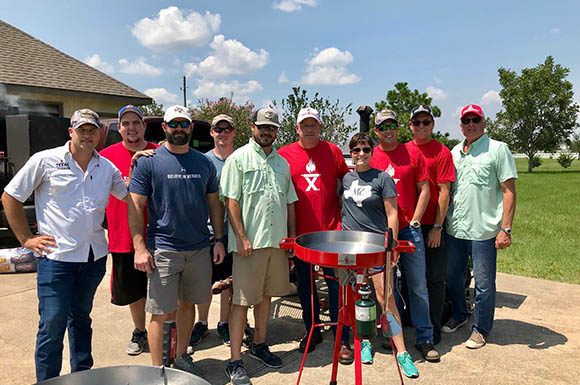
565 160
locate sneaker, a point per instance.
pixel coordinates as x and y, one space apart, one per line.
451 326
314 341
237 373
185 363
261 352
476 341
138 342
223 330
428 352
199 331
407 366
366 354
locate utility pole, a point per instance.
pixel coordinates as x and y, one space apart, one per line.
184 92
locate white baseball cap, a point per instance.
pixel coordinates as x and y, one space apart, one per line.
308 112
176 112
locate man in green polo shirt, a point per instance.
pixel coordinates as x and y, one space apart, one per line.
259 197
479 222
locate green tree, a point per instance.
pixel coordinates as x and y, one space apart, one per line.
538 107
332 115
402 100
241 115
152 109
574 144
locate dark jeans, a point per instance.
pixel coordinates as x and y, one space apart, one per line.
436 262
303 273
65 300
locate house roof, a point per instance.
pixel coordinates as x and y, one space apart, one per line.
27 61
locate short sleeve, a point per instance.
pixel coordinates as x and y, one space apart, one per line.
342 166
445 166
141 177
506 164
291 196
27 179
231 180
387 186
118 187
422 174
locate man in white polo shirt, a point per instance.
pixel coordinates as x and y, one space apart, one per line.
71 186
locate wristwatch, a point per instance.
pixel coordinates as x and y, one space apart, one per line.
415 224
222 240
437 227
507 230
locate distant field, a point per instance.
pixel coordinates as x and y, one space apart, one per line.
546 230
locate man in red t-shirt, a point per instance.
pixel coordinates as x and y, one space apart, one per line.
405 164
439 164
317 167
128 285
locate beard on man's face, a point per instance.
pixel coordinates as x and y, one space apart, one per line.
178 138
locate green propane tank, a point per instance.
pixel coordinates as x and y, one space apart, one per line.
365 314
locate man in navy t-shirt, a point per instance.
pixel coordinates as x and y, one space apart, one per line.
180 188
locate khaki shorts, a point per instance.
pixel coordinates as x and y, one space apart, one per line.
183 275
263 273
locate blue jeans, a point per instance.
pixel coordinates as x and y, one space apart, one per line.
65 300
484 256
303 274
436 263
413 266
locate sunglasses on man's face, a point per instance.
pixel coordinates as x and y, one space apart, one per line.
417 123
475 120
175 124
219 130
268 127
366 150
387 126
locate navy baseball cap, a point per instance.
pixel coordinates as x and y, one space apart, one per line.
130 108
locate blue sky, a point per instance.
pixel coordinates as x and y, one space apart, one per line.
347 50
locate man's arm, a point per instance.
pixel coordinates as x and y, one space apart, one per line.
422 201
291 226
434 236
216 217
136 212
508 188
243 244
14 210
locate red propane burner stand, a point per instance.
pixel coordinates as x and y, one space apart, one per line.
352 250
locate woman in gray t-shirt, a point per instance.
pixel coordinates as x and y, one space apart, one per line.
369 203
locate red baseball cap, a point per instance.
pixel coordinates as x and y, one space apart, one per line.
473 108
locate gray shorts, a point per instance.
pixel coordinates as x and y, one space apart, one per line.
183 275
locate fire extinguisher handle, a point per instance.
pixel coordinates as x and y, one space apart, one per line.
287 243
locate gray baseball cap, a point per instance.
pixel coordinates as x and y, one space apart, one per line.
385 115
267 115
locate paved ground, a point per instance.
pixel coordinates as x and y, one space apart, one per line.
535 339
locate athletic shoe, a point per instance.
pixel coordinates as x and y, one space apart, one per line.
186 364
366 352
476 341
237 373
315 340
224 332
199 331
428 352
407 366
261 352
451 326
138 343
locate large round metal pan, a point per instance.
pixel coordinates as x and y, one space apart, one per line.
342 249
128 375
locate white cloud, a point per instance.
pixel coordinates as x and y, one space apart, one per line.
490 98
229 57
436 93
329 67
293 5
95 61
555 31
437 80
215 90
173 30
162 96
138 67
283 78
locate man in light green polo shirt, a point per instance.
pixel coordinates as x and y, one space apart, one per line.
479 222
259 197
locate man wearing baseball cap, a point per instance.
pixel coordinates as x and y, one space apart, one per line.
406 165
479 222
259 196
223 132
439 164
317 167
71 186
179 186
128 285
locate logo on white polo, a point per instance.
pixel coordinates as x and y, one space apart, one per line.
311 177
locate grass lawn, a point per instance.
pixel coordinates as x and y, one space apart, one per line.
546 229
